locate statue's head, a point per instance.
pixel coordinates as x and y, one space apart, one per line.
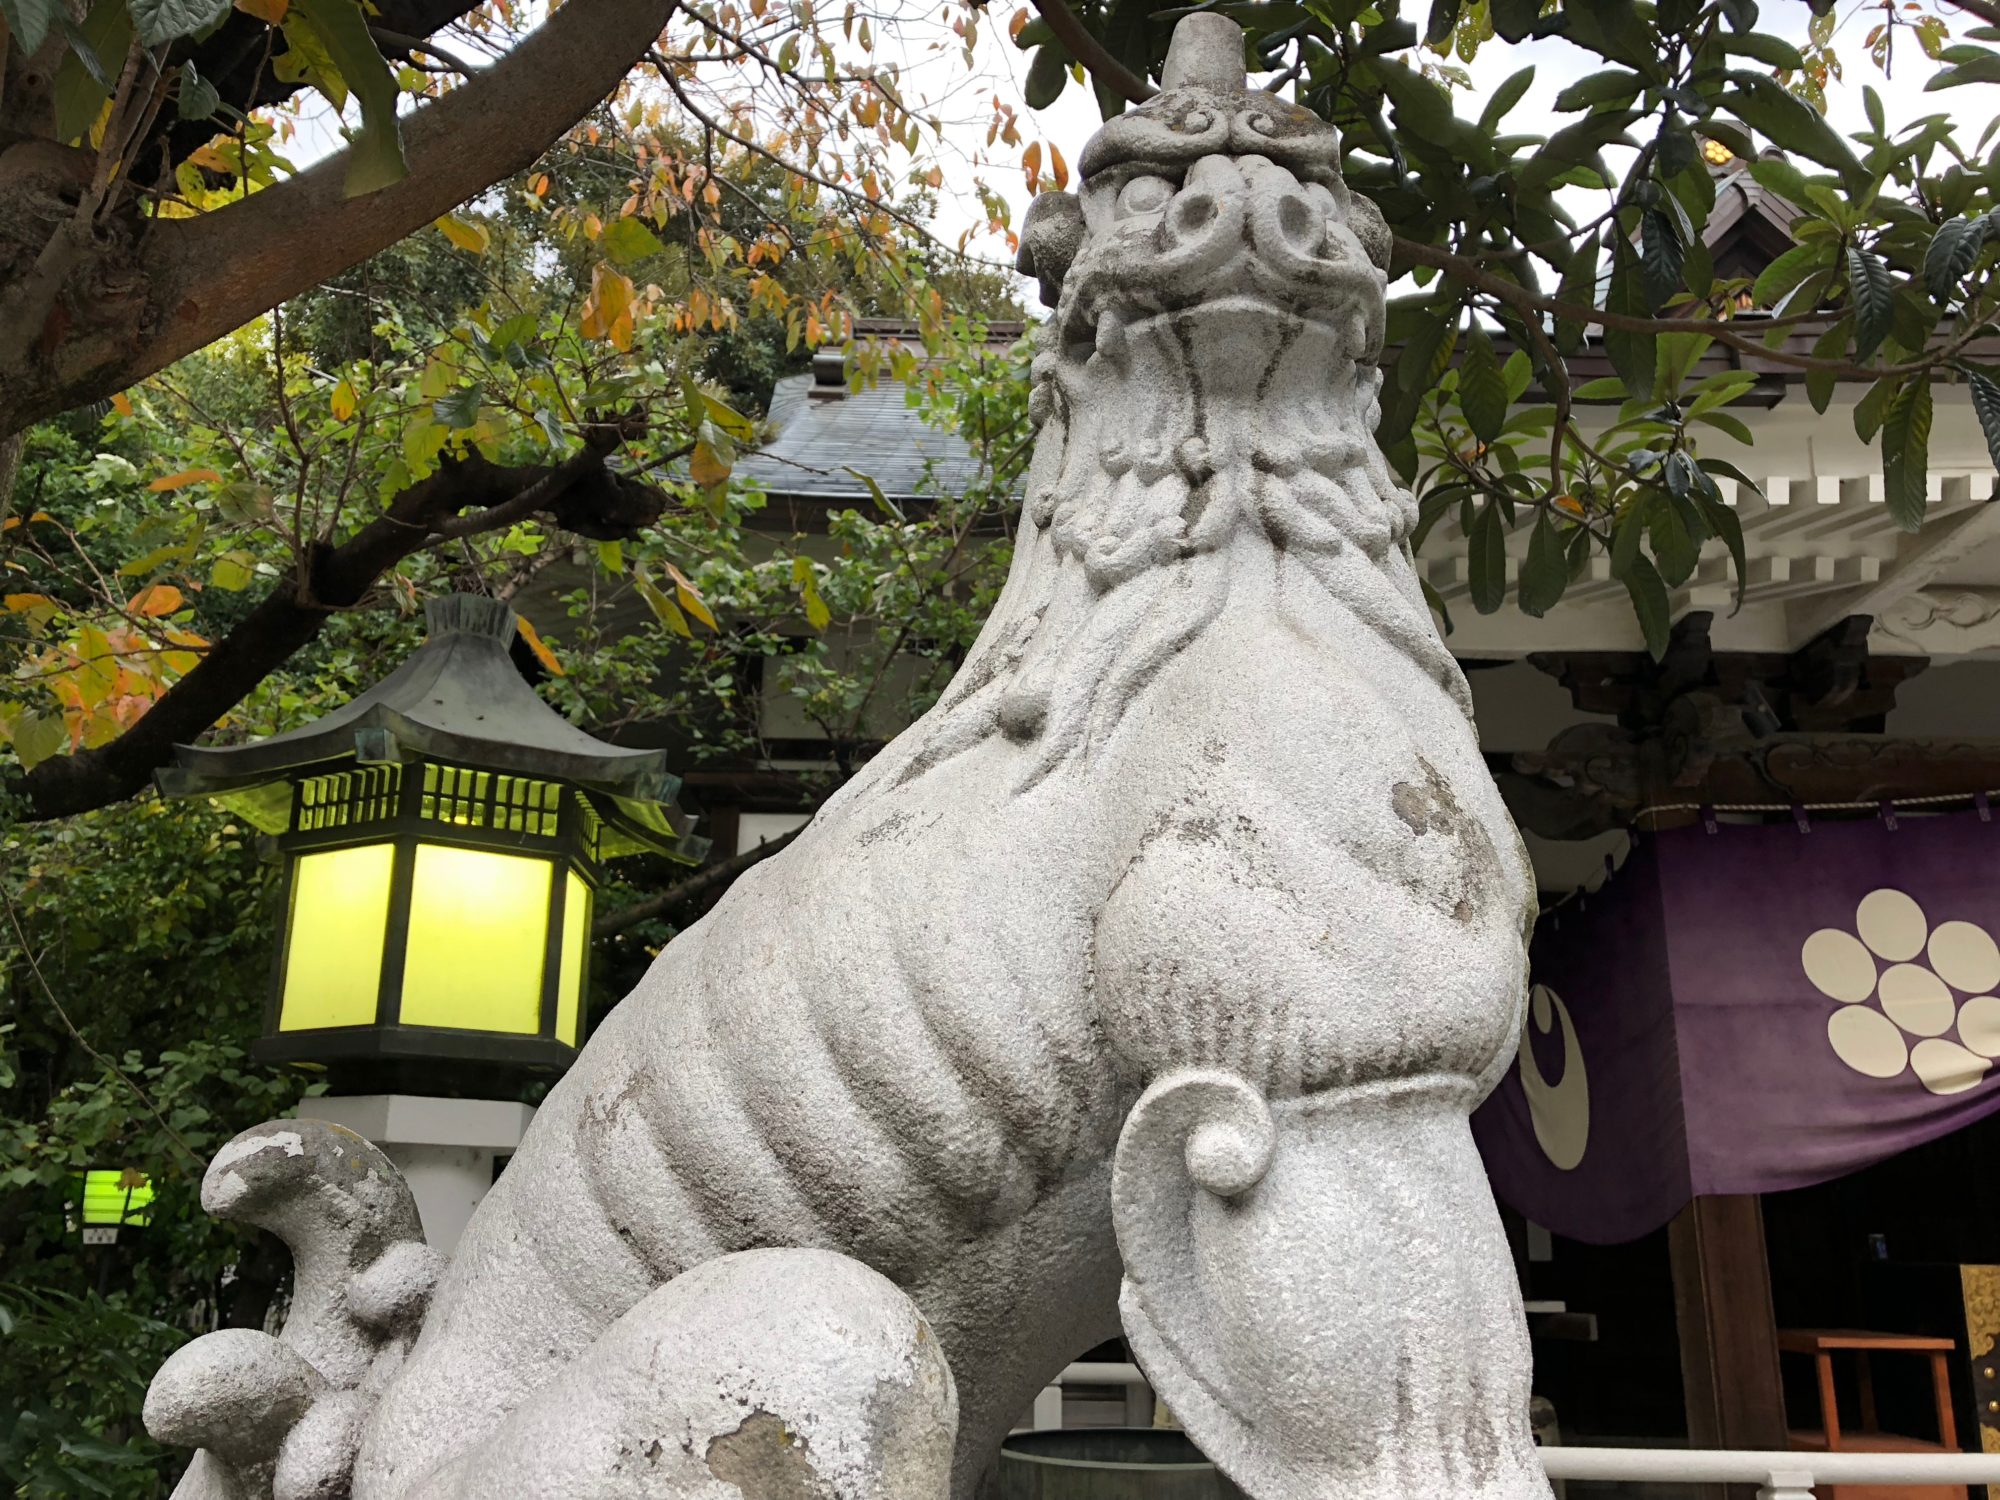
1210 191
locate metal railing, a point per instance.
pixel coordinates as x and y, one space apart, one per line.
1781 1476
1778 1475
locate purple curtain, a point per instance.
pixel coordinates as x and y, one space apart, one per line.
1749 1010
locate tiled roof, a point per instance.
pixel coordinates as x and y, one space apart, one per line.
821 433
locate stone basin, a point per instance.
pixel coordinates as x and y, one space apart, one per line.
1109 1463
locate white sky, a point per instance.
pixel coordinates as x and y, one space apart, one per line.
936 73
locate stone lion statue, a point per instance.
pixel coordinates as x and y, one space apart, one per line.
1147 980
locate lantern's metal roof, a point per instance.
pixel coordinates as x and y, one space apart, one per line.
458 698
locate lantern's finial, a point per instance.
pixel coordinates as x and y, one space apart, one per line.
469 614
1206 53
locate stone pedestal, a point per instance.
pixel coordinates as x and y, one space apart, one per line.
445 1148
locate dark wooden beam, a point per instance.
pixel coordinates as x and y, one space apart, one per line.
1728 1333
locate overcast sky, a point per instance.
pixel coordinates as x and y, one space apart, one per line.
937 72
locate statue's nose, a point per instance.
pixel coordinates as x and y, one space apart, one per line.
1203 224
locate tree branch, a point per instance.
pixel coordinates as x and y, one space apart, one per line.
328 580
1470 273
1087 50
715 877
209 274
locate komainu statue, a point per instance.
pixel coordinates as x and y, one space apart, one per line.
1149 978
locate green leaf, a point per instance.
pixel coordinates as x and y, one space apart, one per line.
1650 604
1600 88
1482 390
1820 384
1782 178
1660 239
457 408
233 572
163 21
81 82
197 98
1544 572
1674 545
1514 19
1786 272
1487 559
1773 51
1436 601
1631 352
1046 76
1952 251
1906 445
37 737
375 155
1870 409
29 22
1577 289
1505 98
1443 21
1723 522
1874 299
629 241
1787 120
1986 402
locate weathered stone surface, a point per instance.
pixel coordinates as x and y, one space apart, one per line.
281 1417
767 1375
1201 827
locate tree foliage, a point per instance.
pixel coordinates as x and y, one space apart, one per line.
1591 235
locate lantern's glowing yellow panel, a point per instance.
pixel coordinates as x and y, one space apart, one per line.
111 1196
333 951
479 927
576 933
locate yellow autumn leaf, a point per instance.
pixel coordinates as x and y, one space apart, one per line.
706 467
690 600
343 401
122 404
183 479
608 313
539 646
21 603
156 599
465 234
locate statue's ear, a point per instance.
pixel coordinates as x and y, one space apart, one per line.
1051 235
1369 227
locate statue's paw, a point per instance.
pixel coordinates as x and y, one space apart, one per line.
236 1393
317 1459
777 1372
395 1292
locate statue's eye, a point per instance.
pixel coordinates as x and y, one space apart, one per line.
1144 195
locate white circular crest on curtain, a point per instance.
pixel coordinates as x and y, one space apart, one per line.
1559 1111
1918 1000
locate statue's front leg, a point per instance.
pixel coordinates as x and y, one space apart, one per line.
1316 1280
1321 1291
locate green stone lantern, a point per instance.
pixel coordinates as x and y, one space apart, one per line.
443 835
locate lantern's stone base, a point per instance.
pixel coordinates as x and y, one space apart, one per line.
446 1149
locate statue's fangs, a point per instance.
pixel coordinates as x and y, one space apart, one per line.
1151 976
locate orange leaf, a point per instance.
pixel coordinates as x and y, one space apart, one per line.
271 12
1018 23
539 646
1031 161
184 478
1059 167
122 404
156 599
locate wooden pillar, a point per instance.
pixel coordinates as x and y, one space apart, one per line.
1728 1333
